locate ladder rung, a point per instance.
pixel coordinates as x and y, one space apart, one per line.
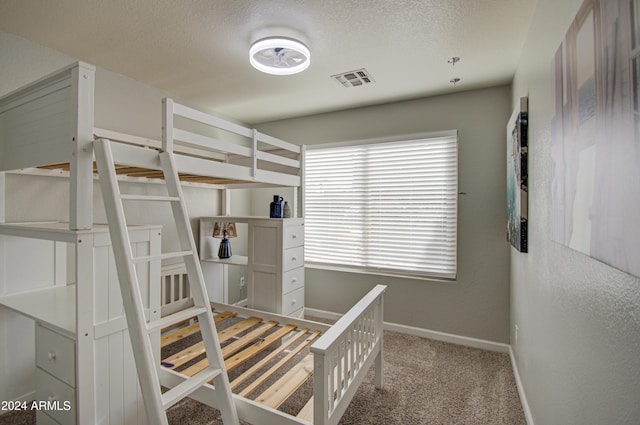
150 198
167 255
188 386
174 318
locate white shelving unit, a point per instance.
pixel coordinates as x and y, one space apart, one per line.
214 269
65 281
275 263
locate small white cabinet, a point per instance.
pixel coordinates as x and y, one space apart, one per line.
276 265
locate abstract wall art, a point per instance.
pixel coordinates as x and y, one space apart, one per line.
595 134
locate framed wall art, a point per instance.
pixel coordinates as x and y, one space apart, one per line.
517 176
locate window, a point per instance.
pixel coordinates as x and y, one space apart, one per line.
385 207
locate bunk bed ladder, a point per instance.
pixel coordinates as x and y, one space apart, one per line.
155 402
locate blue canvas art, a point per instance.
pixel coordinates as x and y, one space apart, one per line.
517 177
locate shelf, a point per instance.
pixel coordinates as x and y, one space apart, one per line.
54 230
47 230
235 260
54 306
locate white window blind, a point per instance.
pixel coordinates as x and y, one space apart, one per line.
386 207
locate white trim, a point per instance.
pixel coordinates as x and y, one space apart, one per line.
523 397
25 398
423 333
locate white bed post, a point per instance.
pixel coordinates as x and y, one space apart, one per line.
226 202
85 338
320 389
81 164
299 212
167 124
81 218
379 381
254 159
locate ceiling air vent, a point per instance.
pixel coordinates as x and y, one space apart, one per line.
355 78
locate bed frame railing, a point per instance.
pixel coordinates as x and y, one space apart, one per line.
343 355
175 294
205 136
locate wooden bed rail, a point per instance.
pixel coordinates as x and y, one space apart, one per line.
343 355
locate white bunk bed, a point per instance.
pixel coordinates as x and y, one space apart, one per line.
49 124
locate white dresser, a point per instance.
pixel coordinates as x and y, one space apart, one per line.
276 265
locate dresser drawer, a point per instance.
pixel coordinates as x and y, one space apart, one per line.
293 236
292 280
59 397
56 354
293 258
292 301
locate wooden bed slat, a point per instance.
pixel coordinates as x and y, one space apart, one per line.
276 394
306 413
137 172
232 348
179 333
258 347
248 373
197 349
262 378
239 327
247 339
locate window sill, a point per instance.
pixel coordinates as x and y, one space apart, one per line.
376 272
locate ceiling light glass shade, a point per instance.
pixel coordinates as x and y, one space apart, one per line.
279 56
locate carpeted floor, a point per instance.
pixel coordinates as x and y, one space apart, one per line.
426 382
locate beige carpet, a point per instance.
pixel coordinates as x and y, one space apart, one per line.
426 382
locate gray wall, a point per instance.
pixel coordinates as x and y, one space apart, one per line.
477 304
578 348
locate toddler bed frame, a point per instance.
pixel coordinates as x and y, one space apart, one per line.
50 123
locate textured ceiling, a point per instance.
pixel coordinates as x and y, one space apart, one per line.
198 49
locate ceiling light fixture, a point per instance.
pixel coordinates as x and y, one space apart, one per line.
279 56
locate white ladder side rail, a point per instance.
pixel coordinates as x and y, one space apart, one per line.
155 402
129 288
198 288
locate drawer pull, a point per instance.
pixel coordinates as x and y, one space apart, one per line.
293 302
294 258
294 236
51 398
51 355
294 280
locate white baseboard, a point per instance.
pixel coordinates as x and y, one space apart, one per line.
25 398
321 314
424 333
521 393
